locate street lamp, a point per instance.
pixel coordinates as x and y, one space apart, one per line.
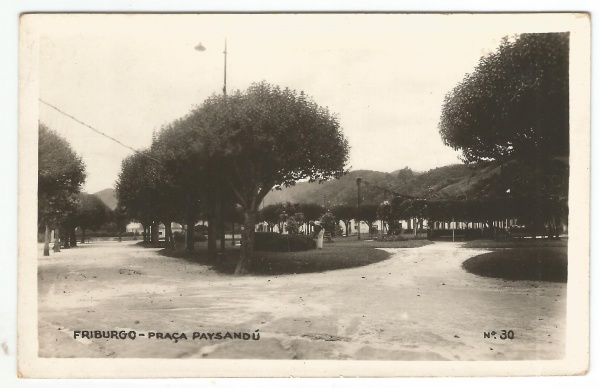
218 203
200 47
358 182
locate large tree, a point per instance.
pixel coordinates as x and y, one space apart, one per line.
310 212
196 190
345 213
91 213
60 176
368 214
514 104
271 214
514 109
136 191
260 139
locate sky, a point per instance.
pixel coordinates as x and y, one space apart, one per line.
385 76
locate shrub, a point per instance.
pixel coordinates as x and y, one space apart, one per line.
391 237
201 229
103 233
465 234
180 237
328 222
275 242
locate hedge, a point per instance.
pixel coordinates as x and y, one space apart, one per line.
103 233
180 237
275 242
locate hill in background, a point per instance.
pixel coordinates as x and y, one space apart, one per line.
448 181
109 197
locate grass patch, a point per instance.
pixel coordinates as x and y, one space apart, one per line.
354 242
333 256
538 263
517 243
148 244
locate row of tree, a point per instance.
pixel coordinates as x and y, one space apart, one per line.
90 213
62 206
227 154
514 109
550 212
61 173
295 216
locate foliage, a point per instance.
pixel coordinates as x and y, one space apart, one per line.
385 212
368 214
201 230
263 138
180 237
515 104
270 214
291 225
405 174
109 232
328 222
444 181
344 213
91 212
60 176
136 188
310 211
120 218
275 242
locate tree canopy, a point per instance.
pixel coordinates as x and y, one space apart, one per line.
92 213
235 149
515 104
61 173
136 188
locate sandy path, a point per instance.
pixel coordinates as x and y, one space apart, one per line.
418 305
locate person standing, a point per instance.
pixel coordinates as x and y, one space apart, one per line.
320 235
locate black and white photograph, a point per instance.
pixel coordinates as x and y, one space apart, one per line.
304 194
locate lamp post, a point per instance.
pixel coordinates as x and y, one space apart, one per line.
200 47
218 201
358 182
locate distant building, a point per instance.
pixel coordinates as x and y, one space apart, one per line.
137 228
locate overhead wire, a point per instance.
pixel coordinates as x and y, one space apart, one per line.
99 132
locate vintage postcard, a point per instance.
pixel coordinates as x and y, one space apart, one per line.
309 195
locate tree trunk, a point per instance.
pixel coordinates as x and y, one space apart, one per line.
73 238
154 232
247 243
47 241
66 237
189 236
83 235
222 233
56 247
212 234
232 233
172 238
170 243
220 229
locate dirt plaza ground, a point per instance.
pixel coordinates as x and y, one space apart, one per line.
418 305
